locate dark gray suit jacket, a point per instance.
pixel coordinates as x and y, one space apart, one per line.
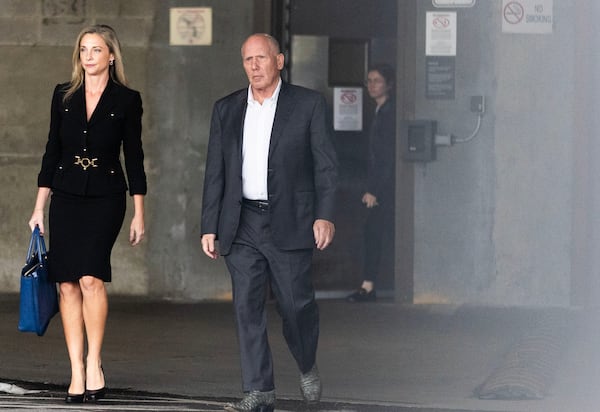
302 170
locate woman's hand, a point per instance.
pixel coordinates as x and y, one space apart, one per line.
369 200
136 230
37 219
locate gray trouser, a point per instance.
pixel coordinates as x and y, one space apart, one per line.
253 262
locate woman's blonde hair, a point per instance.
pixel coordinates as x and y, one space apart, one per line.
116 70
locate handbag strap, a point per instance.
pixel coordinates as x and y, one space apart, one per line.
37 246
41 248
33 242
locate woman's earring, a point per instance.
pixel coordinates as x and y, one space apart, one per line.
111 62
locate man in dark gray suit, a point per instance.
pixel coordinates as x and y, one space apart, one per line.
269 191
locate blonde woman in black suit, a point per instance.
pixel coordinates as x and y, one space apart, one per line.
92 117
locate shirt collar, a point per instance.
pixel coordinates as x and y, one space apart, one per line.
271 100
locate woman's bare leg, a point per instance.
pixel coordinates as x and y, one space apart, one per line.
95 312
71 314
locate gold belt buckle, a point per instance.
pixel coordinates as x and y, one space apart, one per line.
85 162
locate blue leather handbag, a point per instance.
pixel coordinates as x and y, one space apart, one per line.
38 298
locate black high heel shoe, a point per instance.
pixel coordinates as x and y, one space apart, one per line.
70 398
95 395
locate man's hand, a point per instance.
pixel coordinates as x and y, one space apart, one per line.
208 245
324 231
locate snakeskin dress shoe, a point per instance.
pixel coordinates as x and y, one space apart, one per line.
310 385
254 401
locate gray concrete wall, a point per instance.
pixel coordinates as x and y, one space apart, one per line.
493 217
178 86
185 81
585 285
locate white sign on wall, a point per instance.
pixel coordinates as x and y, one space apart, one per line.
191 26
453 3
527 16
440 38
347 108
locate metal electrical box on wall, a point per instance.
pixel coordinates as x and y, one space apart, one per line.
417 138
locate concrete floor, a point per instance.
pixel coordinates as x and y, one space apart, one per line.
372 357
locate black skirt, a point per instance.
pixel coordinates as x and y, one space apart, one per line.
83 231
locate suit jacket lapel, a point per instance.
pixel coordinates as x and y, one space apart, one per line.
76 106
239 115
285 106
105 104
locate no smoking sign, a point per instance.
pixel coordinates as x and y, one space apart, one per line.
527 16
513 12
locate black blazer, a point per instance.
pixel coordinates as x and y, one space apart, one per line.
302 170
82 157
381 165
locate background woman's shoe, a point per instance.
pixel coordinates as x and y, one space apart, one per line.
361 295
254 401
95 395
70 398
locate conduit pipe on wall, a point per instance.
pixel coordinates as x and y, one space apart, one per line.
477 106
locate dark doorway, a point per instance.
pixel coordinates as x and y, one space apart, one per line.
328 45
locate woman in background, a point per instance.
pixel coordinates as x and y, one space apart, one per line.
379 196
